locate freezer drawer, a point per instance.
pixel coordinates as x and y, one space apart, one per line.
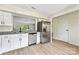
45 37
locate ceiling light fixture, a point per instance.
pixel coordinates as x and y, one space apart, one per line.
33 7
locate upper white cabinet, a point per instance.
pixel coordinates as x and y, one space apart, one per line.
6 19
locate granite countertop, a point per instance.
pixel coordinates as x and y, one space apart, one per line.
6 33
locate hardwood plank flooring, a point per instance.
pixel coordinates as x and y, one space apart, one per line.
55 48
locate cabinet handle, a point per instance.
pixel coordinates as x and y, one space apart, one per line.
67 30
20 39
2 22
8 41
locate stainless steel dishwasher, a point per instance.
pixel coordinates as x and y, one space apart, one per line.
32 38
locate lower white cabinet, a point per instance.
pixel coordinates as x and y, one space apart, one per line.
38 38
13 41
6 43
0 45
24 40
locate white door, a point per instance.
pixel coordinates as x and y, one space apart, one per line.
74 31
60 29
15 42
24 40
5 43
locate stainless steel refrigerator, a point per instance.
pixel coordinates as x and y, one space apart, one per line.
44 28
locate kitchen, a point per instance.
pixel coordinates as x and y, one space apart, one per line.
18 31
39 29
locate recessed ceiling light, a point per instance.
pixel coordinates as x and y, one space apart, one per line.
33 7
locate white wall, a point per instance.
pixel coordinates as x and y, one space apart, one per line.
73 26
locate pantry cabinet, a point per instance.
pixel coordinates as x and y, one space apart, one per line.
66 28
60 29
74 31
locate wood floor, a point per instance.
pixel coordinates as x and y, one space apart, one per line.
54 48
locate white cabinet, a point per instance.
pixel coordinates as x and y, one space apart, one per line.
60 29
19 41
6 19
24 40
0 45
1 18
74 31
15 42
6 44
66 29
38 38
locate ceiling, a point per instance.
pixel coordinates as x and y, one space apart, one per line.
45 9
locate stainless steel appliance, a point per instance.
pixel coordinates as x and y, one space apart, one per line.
44 28
32 38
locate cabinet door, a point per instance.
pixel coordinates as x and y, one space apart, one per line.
15 42
0 45
8 19
1 18
74 31
38 37
60 29
12 41
5 43
24 40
